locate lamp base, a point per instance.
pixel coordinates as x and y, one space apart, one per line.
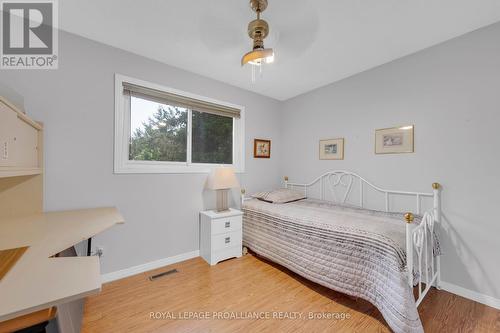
222 201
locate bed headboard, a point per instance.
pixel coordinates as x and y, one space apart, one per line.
339 184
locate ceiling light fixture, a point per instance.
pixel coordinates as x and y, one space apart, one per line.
258 30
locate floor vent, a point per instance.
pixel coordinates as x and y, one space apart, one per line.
157 276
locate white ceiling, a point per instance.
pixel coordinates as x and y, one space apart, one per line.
316 42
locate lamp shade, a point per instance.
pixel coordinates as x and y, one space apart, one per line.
222 178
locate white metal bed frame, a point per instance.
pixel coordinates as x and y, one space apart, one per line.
419 238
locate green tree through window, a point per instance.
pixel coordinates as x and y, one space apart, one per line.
163 137
212 138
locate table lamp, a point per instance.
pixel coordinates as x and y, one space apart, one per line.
221 179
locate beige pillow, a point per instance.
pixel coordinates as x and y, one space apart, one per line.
282 195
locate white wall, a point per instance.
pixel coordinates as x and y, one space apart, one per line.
76 103
451 93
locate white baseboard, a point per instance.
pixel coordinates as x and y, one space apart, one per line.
123 273
472 295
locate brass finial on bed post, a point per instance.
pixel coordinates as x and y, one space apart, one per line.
286 178
409 217
436 186
243 191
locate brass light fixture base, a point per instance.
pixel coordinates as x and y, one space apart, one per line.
258 29
258 6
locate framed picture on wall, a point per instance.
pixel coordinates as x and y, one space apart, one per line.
331 149
395 140
261 148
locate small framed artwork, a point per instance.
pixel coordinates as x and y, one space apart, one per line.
331 149
395 140
261 148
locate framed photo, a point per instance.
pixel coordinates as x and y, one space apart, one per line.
331 149
261 148
394 140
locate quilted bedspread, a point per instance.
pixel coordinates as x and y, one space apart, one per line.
355 251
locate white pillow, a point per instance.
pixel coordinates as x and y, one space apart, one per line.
282 195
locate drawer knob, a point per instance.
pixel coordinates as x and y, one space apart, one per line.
227 224
227 240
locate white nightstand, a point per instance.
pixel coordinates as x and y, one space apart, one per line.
220 235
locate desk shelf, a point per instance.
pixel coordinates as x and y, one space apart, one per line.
20 172
38 280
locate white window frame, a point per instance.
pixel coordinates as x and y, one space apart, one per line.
122 164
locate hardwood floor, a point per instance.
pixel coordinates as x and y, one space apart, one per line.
249 284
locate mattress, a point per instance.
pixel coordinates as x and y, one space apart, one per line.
355 251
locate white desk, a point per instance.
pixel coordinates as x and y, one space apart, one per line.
38 281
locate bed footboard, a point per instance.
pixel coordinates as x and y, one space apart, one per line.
420 245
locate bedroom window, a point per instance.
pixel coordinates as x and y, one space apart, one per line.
163 130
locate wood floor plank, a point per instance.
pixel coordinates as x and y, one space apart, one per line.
253 285
8 259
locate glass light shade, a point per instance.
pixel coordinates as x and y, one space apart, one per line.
270 59
256 57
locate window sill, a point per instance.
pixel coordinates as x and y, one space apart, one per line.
171 168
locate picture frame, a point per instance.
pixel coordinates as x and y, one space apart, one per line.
331 149
395 140
261 148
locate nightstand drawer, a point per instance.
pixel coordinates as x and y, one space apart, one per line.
228 224
228 253
227 240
